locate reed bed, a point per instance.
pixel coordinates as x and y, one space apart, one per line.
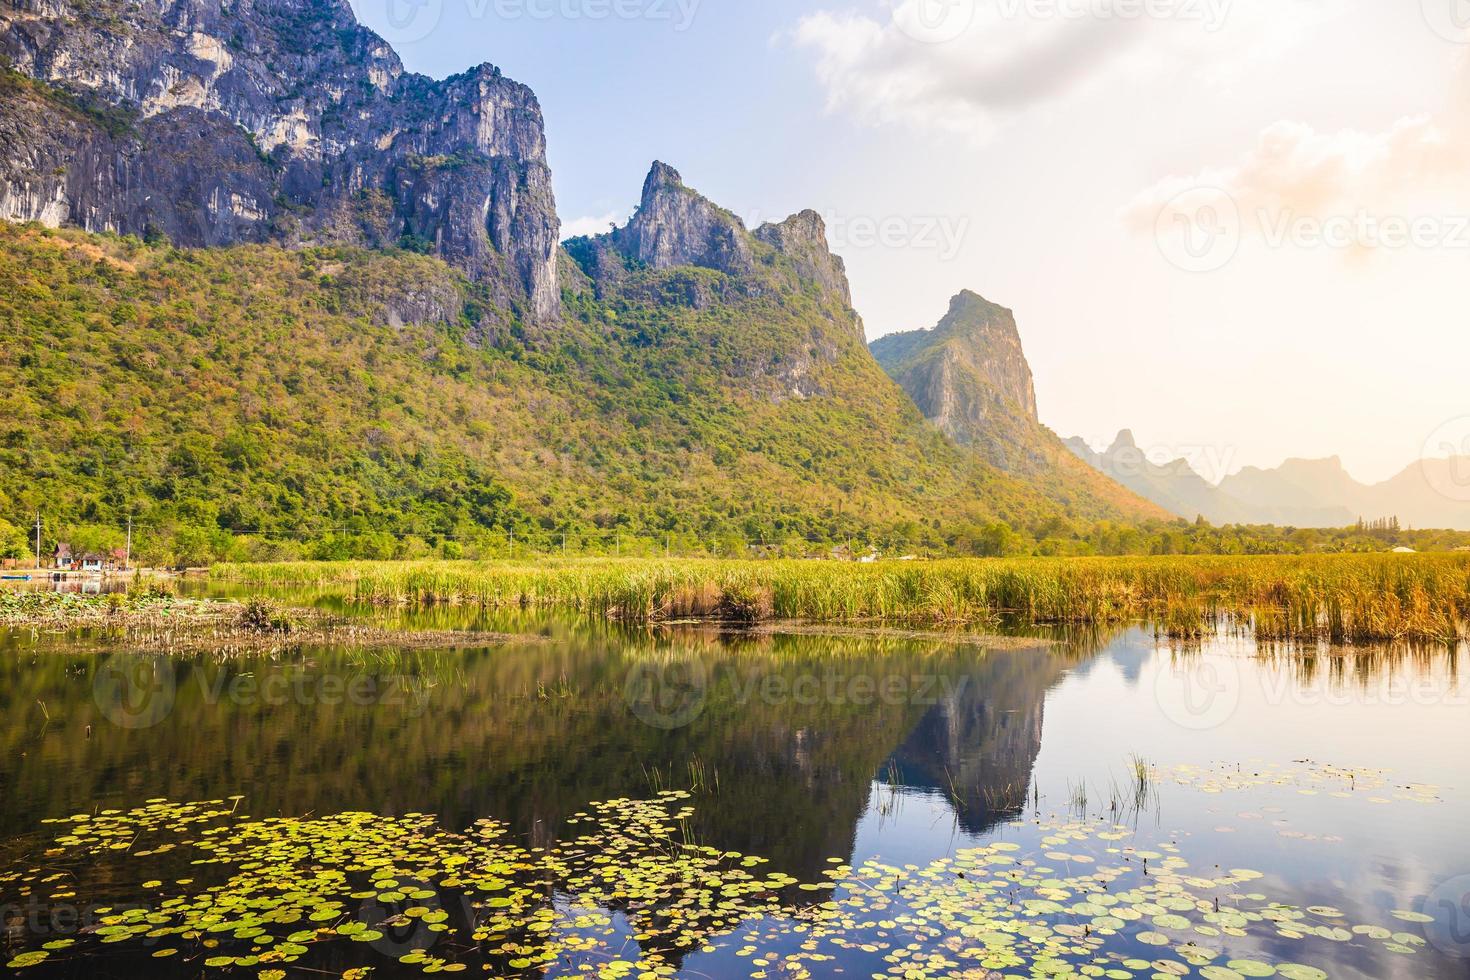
1336 598
156 623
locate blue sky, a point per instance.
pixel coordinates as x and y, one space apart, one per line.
709 93
1064 158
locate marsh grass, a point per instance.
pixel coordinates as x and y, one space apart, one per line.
1336 598
168 624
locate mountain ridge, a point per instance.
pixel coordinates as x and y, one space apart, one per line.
213 123
1301 492
313 295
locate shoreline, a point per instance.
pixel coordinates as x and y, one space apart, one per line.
170 625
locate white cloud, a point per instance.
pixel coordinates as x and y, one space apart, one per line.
1412 169
591 225
966 66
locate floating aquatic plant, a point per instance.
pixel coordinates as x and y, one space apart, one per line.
630 894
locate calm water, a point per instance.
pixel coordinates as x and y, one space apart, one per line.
1335 783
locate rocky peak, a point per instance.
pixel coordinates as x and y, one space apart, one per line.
976 339
1124 441
675 226
300 125
803 238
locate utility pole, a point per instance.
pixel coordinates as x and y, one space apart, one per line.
38 539
128 554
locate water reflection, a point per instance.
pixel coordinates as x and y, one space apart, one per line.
799 748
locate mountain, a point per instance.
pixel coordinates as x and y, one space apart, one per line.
1434 493
234 400
1300 493
223 122
264 286
969 377
1174 485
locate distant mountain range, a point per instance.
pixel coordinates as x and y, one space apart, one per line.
1432 493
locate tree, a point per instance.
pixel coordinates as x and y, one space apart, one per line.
13 541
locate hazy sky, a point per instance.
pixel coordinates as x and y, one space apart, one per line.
1240 228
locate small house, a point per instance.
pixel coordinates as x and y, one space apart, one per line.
93 562
63 556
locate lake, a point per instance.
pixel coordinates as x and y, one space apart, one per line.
1088 803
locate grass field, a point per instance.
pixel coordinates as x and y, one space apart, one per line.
1341 598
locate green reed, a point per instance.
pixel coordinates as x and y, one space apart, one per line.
1337 598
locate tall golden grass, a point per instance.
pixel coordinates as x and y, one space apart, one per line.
1340 598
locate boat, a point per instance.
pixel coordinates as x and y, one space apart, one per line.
15 578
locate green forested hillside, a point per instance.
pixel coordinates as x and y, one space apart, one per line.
256 402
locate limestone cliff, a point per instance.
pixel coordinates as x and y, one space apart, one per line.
969 376
676 227
216 122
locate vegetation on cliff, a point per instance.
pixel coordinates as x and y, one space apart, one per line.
259 402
